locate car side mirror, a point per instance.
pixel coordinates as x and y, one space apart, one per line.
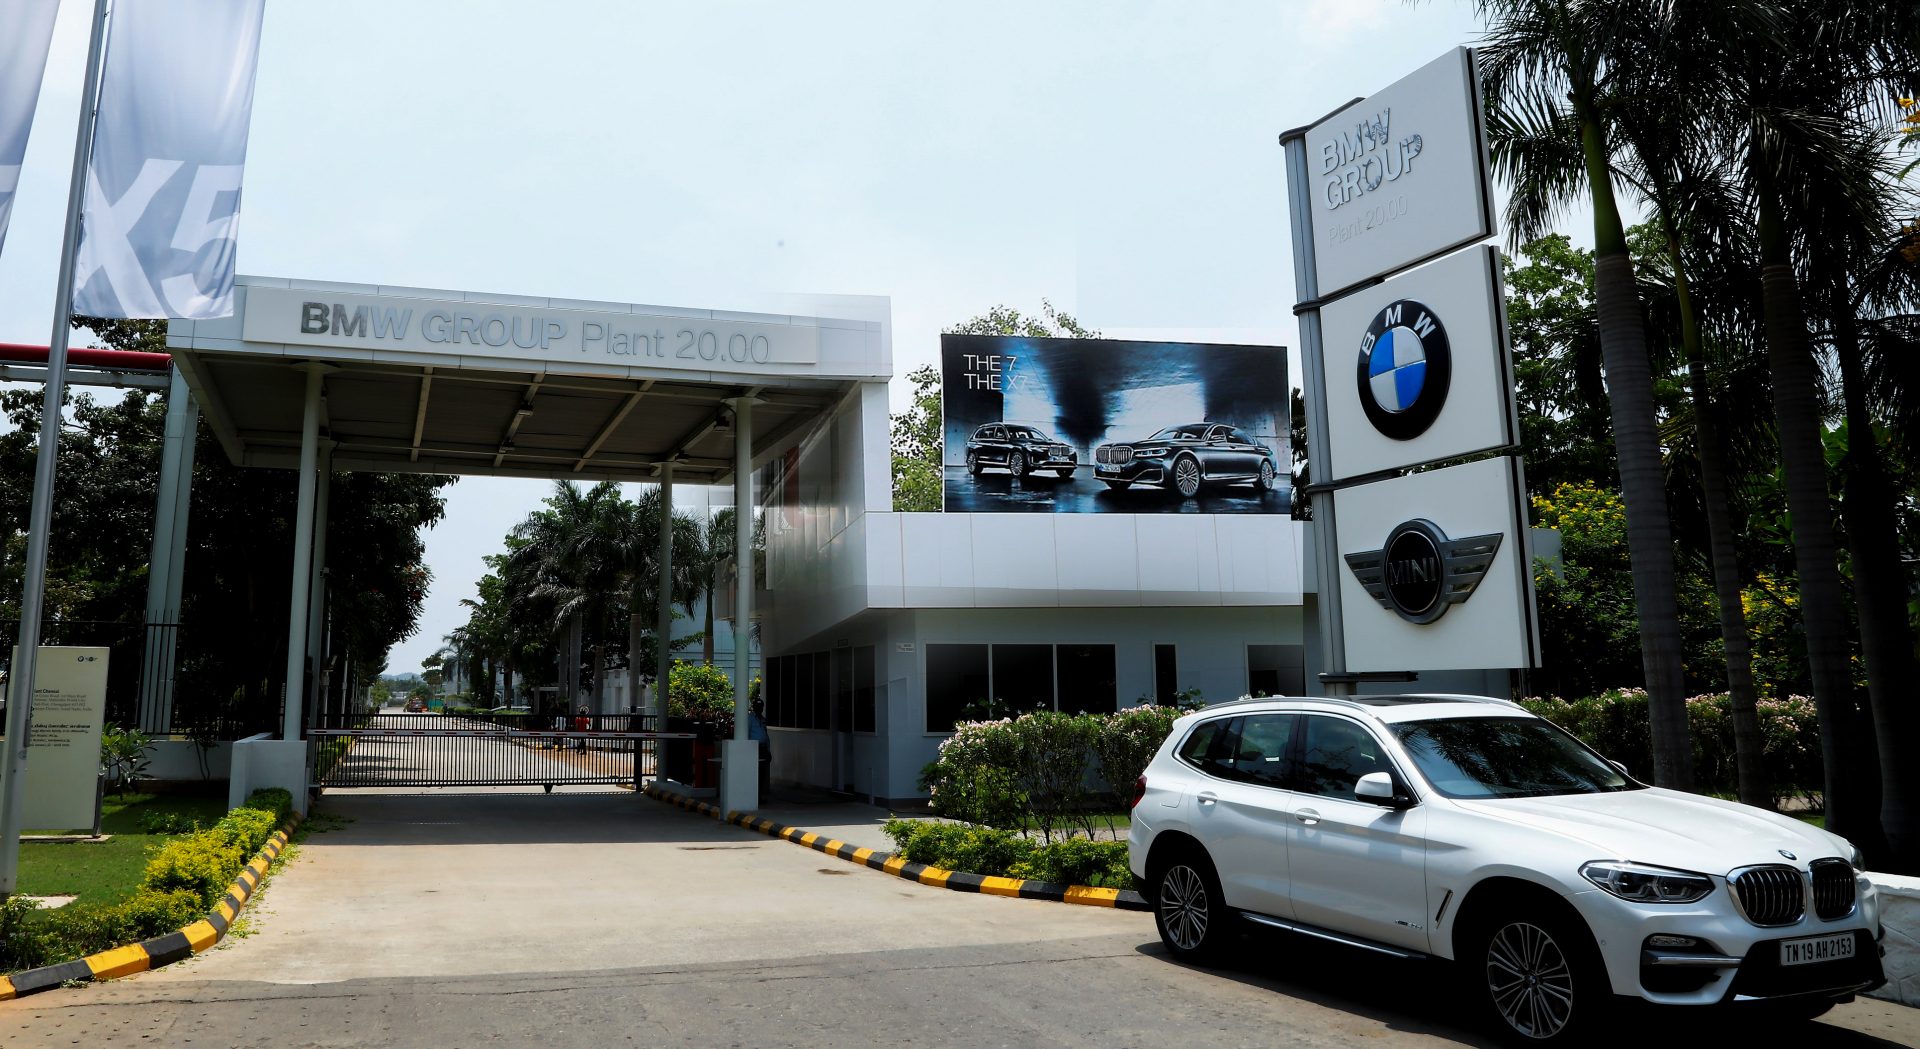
1620 765
1377 788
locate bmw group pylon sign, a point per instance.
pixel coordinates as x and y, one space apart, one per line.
1417 369
1418 496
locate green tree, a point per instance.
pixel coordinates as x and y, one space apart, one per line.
1554 75
919 445
918 434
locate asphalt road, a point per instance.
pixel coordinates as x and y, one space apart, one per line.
594 920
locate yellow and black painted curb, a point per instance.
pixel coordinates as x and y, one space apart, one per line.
161 950
898 866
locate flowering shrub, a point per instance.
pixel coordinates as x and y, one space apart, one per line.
1047 770
1615 724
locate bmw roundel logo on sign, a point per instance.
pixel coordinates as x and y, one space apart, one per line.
1405 368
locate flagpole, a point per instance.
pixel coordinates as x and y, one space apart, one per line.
40 517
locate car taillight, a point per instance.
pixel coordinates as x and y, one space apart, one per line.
1139 791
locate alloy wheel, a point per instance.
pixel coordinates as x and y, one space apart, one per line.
1186 477
1530 980
1018 464
1266 475
973 462
1183 907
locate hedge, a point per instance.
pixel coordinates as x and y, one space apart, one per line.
1047 770
185 878
1009 854
1615 723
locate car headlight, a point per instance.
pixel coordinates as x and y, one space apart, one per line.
1152 453
1643 883
1855 857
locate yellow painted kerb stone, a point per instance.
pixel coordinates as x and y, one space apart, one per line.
121 961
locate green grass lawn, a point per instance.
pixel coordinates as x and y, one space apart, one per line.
108 872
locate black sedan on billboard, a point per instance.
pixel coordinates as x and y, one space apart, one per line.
1182 458
1019 450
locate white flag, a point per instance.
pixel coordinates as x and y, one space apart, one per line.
23 58
163 189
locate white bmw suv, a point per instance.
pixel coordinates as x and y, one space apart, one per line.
1465 828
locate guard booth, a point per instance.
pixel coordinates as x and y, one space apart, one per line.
323 377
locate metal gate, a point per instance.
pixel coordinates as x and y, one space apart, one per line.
483 750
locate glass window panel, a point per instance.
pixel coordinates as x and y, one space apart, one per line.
1276 670
823 690
1022 678
803 691
1166 676
956 677
1260 754
1336 754
863 689
1088 683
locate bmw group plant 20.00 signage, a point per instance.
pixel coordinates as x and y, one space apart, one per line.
1417 368
1435 571
60 783
1400 176
379 324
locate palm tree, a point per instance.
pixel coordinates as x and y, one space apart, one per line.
639 545
1675 167
716 542
1552 80
1801 150
568 555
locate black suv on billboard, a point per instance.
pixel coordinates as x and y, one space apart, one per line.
1019 449
1182 458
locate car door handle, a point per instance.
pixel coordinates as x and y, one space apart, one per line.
1207 797
1307 816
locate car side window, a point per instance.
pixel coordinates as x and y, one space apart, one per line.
994 433
1210 746
1217 433
1261 750
1335 754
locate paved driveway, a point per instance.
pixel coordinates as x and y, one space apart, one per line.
577 920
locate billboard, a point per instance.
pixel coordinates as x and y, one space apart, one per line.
1104 426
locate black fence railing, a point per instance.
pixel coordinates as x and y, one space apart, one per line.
212 696
462 750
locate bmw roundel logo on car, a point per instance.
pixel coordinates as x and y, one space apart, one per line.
1405 367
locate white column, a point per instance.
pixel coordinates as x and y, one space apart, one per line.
317 579
164 564
664 623
739 756
743 558
297 608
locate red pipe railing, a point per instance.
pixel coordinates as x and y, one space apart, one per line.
112 360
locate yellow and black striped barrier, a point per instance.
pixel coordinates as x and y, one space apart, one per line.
898 866
161 950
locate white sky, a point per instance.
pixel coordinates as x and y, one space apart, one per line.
1118 158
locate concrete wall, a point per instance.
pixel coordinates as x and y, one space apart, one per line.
262 761
179 759
1900 916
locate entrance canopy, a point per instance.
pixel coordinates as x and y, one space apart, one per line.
425 381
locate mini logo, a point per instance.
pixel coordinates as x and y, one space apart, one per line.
1420 573
1405 367
1787 854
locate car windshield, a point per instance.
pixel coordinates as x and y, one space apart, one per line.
1506 758
1180 433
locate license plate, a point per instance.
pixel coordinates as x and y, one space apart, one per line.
1105 469
1815 949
